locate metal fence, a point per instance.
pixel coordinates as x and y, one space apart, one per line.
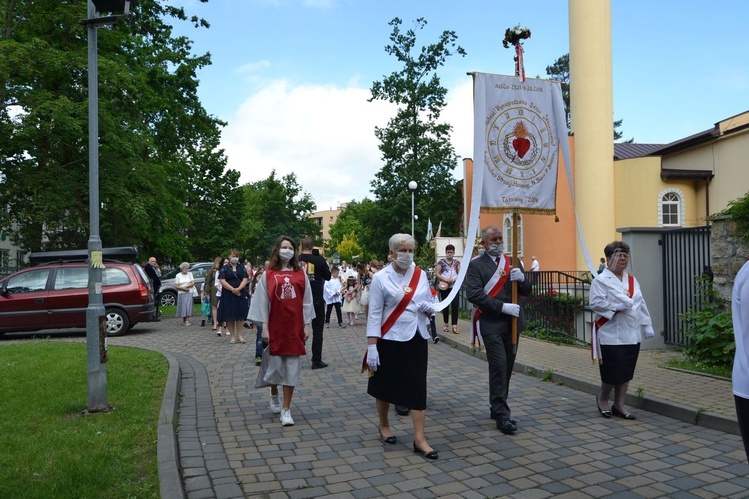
686 256
557 305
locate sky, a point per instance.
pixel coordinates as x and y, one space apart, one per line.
291 78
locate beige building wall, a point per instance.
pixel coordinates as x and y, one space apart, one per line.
325 219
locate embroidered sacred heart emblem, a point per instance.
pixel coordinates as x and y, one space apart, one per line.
520 143
521 146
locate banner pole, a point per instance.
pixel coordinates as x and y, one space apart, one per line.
515 218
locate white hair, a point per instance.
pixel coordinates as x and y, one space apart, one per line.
398 239
184 264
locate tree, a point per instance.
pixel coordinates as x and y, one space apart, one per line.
560 71
415 145
274 207
159 160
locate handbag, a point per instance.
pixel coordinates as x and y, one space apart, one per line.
443 285
205 309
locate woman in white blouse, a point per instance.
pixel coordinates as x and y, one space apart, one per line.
184 283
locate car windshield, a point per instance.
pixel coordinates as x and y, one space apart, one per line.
170 275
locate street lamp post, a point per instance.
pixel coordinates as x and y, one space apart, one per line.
412 185
96 353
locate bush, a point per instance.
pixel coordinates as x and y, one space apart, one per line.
708 327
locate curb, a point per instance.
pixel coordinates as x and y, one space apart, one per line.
167 451
684 413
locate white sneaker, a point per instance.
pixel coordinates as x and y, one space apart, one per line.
286 419
275 404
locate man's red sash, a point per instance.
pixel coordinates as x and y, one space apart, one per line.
397 311
595 344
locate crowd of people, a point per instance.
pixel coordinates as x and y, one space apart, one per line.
292 297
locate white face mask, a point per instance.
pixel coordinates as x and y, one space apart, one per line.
404 259
285 254
495 249
234 260
481 251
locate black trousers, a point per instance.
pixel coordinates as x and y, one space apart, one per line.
742 414
501 361
450 309
337 306
318 324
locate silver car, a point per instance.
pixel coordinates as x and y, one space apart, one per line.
168 296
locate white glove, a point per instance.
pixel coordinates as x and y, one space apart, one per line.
623 306
512 309
647 332
373 358
517 275
426 307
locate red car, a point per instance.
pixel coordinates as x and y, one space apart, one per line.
54 294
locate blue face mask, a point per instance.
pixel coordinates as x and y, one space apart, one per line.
495 249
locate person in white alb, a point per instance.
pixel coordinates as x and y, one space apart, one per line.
400 304
740 377
535 267
621 319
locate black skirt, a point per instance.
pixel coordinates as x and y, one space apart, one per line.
619 363
401 377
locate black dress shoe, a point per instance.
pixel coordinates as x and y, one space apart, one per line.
605 414
617 412
432 454
402 410
319 365
391 440
506 426
495 416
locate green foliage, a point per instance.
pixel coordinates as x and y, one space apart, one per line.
556 311
50 450
415 145
424 255
273 207
708 327
348 248
738 209
536 329
163 183
690 365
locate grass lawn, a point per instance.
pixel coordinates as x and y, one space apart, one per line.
688 365
49 449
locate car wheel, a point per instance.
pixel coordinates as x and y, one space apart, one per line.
117 322
168 299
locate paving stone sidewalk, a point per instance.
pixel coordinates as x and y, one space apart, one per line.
231 445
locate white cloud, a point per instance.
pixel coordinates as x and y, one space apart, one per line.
324 135
252 67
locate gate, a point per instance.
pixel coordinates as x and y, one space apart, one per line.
686 255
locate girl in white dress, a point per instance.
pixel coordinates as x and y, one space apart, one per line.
350 300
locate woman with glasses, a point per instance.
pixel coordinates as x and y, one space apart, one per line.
621 320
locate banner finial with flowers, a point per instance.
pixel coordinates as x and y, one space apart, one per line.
513 36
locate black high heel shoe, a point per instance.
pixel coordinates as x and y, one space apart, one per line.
392 440
617 412
605 414
432 454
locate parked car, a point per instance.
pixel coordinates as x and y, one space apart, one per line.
168 296
54 293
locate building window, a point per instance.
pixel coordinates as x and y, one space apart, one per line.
507 234
670 208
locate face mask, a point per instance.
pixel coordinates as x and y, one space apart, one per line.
234 260
449 257
404 259
495 249
481 251
286 254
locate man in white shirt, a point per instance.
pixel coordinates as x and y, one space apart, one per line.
535 267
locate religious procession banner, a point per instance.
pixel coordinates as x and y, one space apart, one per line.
518 126
519 129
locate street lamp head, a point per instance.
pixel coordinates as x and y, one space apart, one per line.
113 6
416 217
413 185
